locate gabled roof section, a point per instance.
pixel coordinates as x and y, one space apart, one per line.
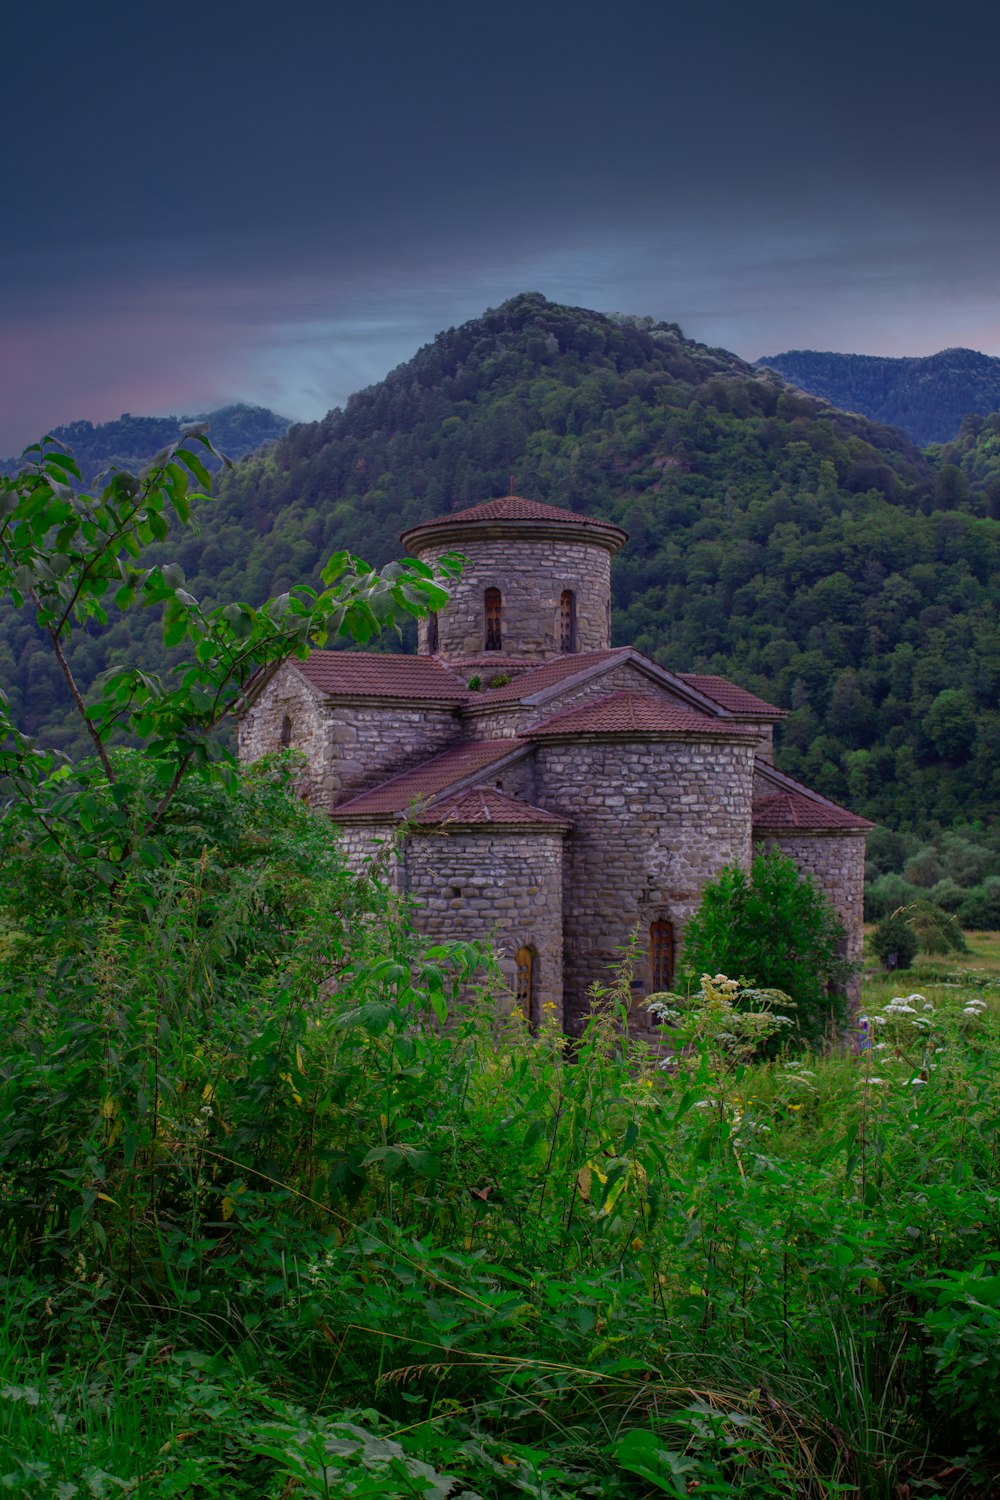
371 674
783 805
547 679
547 674
483 806
625 714
513 515
735 699
450 770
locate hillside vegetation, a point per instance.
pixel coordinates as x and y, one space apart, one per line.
927 398
819 559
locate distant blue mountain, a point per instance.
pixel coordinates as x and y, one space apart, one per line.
926 398
131 441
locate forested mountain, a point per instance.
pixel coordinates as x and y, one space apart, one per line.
817 558
131 441
926 398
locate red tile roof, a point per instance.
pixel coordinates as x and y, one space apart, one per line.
736 699
783 812
481 805
426 780
628 713
514 509
544 674
366 674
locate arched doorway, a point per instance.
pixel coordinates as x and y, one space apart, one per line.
661 955
524 984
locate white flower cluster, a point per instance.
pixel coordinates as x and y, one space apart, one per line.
974 1007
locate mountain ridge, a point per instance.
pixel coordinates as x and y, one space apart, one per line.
926 396
128 441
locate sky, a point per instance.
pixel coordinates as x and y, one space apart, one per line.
226 201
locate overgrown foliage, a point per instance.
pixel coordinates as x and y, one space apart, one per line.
324 1240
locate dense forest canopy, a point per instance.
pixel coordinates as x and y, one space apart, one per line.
817 558
927 398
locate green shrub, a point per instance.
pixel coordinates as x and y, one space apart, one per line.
894 942
937 931
775 929
980 911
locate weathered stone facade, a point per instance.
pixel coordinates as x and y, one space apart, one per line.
584 801
504 888
653 821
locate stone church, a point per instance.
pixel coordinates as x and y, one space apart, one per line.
559 792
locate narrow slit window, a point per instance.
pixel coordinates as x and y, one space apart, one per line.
661 955
525 962
492 620
567 621
432 633
286 732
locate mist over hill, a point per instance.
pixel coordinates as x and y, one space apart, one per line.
926 398
816 557
129 442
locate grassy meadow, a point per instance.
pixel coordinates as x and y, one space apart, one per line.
328 1246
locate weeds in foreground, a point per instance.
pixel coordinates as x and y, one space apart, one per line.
317 1222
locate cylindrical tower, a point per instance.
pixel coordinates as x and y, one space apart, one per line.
537 583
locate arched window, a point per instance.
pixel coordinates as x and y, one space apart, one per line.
492 620
567 621
286 731
524 990
661 955
432 633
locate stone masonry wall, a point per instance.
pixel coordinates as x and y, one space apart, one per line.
836 861
360 842
502 888
531 575
259 730
654 820
372 742
350 748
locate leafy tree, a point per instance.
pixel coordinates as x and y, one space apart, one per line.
894 942
64 554
937 931
776 930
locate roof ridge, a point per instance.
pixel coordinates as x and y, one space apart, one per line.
514 743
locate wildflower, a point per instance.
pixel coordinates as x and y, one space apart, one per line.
873 1079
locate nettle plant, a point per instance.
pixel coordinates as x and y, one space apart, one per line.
70 556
